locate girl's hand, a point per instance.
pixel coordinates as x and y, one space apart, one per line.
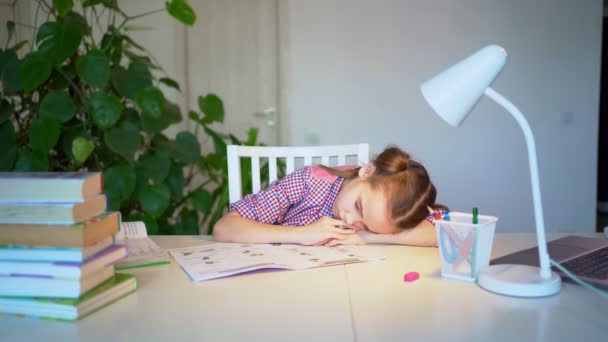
322 231
351 240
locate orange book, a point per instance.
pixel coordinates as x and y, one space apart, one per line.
72 235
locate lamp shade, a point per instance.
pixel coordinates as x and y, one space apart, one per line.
453 92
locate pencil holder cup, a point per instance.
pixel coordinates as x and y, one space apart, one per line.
465 247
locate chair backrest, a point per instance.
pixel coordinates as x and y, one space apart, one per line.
328 155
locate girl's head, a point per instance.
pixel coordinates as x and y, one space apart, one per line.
387 195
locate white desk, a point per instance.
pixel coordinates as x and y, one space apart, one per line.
356 302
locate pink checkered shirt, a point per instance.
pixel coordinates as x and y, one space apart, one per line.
299 199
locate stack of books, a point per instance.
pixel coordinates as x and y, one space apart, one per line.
57 250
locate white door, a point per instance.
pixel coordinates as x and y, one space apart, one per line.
232 51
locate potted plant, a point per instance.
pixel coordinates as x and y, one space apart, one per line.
76 103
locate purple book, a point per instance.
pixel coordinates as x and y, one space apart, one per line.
62 269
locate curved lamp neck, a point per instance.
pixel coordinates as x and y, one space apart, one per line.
545 270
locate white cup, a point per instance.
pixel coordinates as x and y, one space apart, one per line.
465 247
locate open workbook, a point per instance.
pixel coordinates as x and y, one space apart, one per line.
226 259
142 251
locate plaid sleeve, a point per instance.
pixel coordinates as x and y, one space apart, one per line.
271 204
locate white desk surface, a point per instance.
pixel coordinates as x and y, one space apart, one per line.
356 302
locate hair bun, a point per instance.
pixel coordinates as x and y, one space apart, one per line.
392 160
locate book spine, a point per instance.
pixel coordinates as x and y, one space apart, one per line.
50 187
70 235
52 212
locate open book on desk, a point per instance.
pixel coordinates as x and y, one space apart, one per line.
226 259
142 251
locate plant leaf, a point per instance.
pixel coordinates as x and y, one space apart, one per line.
61 78
128 82
43 134
11 77
171 115
188 223
175 181
201 200
120 180
35 70
111 4
19 45
30 161
133 43
218 142
78 20
252 136
169 82
123 139
8 146
88 3
132 116
151 101
111 45
213 108
186 147
94 68
58 42
194 116
10 70
68 135
105 109
58 105
5 57
7 110
181 11
63 6
154 199
82 148
155 165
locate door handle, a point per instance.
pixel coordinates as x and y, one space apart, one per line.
268 114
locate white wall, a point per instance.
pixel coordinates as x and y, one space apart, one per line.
355 70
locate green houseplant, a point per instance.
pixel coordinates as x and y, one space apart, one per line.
77 103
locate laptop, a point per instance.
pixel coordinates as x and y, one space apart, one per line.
585 257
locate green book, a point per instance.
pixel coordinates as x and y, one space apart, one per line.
71 309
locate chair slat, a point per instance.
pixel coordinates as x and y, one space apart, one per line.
289 164
255 174
341 160
234 174
307 160
325 160
272 169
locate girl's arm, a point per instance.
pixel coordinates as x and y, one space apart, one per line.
422 235
235 228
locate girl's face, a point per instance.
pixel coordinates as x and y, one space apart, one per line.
363 207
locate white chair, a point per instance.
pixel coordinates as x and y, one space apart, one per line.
329 155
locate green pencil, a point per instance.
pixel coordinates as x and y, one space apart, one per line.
475 219
118 268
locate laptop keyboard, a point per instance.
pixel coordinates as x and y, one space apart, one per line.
592 265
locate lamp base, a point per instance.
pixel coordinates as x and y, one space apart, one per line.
518 281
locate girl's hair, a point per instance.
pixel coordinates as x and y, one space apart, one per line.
406 183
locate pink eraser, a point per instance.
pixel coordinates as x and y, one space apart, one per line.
411 276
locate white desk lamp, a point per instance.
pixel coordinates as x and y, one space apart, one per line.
452 94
